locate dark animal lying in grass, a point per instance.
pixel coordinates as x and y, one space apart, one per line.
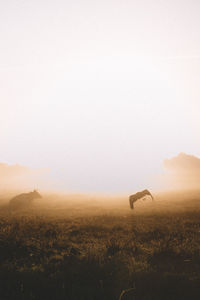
137 196
24 200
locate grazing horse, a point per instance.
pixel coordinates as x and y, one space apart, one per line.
137 196
24 200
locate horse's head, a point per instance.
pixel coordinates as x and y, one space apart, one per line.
146 192
36 194
131 200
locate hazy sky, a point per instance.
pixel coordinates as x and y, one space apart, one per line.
99 92
183 171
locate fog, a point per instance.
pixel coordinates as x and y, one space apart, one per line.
182 172
100 93
18 177
99 105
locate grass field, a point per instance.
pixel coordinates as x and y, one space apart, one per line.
92 249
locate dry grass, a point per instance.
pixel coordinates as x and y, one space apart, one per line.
89 251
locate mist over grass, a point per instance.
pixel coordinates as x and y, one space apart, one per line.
80 247
183 172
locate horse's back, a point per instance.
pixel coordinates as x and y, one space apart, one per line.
20 200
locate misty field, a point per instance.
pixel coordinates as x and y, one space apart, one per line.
92 249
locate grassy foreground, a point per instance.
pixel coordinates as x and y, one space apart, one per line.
93 251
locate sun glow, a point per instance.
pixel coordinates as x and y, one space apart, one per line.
97 95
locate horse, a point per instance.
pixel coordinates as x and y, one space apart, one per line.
133 198
24 200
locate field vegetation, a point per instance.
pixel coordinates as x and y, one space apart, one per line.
92 248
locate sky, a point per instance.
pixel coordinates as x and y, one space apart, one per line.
100 93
